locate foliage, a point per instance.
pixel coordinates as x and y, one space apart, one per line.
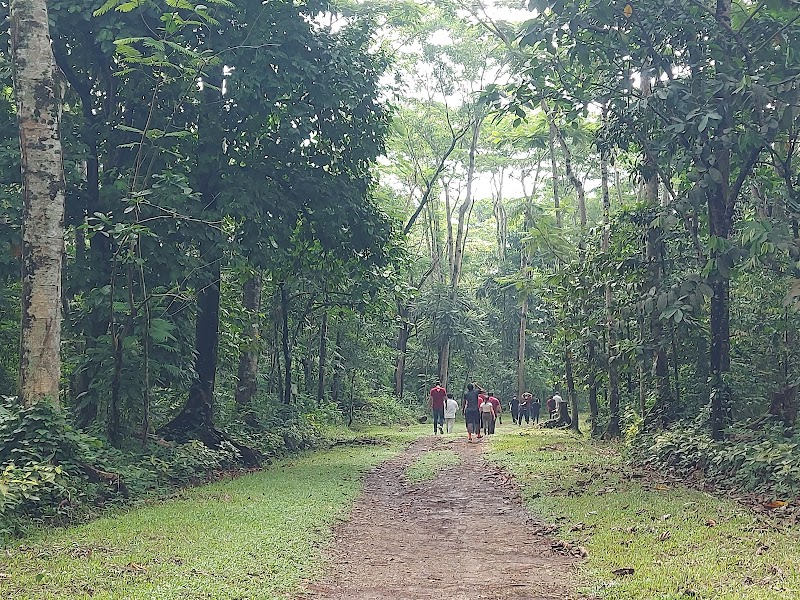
761 459
25 489
385 409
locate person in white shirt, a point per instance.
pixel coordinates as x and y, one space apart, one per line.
487 415
450 410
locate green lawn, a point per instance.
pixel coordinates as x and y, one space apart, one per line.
680 543
258 536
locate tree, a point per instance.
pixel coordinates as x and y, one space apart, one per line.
38 93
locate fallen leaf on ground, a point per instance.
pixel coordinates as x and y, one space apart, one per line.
775 504
711 523
664 536
623 571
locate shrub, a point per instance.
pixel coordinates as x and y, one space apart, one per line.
25 489
385 409
766 460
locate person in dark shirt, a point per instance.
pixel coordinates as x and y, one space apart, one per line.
536 406
438 395
525 408
514 405
498 409
471 410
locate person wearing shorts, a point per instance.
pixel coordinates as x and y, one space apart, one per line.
472 413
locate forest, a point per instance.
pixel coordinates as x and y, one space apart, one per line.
235 230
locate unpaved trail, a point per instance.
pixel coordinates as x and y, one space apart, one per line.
463 535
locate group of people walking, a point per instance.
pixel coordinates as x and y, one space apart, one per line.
482 410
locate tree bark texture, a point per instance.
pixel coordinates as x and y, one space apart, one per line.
571 393
403 333
613 428
38 94
286 346
247 375
323 358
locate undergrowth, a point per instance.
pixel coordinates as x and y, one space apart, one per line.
648 537
765 459
257 536
54 474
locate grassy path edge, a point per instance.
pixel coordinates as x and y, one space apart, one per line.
647 540
256 536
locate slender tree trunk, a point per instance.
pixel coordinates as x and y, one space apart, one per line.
443 363
571 393
247 374
521 346
461 239
663 411
551 145
38 94
338 371
525 263
592 383
286 346
323 358
403 334
613 428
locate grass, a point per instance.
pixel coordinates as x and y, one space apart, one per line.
680 543
427 466
256 537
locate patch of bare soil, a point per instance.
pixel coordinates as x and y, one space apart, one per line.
463 535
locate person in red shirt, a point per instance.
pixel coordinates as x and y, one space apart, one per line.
497 410
438 395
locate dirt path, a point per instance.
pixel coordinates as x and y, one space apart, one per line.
464 535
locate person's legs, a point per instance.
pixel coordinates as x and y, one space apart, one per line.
449 425
514 414
440 419
527 414
535 415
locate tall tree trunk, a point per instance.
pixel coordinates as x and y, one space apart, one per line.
323 358
38 94
247 374
201 394
551 147
403 334
525 263
613 428
571 393
286 345
338 371
592 383
521 346
443 363
663 411
464 214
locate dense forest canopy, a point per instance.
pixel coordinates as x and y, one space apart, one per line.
280 214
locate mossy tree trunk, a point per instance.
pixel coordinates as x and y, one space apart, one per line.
38 94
